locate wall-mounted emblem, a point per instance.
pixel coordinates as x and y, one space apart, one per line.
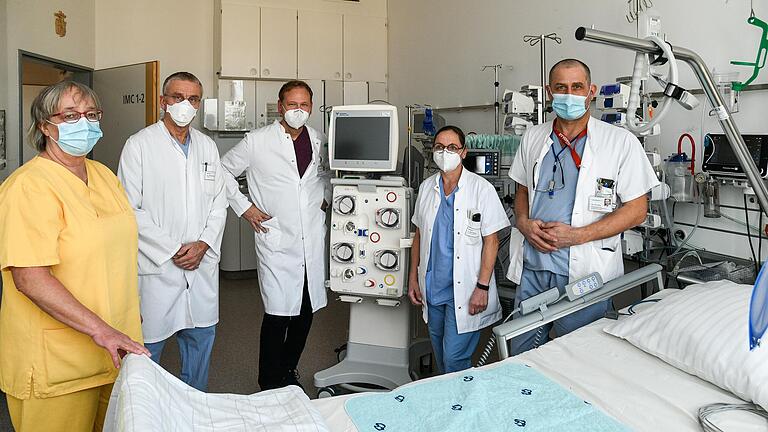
61 23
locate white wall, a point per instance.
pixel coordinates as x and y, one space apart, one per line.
178 33
30 27
437 48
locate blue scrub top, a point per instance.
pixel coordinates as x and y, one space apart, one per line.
185 147
558 207
439 276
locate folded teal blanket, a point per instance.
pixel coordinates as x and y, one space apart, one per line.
510 397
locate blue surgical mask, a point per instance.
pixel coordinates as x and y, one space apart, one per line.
78 139
569 106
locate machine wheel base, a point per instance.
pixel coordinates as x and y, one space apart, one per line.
326 392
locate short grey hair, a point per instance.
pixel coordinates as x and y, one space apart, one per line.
181 76
46 104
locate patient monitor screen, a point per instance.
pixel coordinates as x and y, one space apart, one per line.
362 138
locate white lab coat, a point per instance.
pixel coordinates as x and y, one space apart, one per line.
477 194
297 231
175 202
610 152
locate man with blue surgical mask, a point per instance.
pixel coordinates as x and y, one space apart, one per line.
172 176
581 183
457 216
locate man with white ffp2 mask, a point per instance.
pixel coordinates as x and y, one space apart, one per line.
286 165
457 217
172 175
581 183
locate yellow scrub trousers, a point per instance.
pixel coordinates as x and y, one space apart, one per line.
81 411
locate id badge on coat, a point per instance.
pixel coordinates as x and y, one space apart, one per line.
209 171
604 199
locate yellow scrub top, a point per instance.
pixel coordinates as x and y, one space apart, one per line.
87 235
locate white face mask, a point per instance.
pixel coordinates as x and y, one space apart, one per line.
296 118
182 113
446 160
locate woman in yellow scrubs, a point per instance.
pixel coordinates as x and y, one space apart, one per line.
68 250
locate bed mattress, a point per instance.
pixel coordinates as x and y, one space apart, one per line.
636 388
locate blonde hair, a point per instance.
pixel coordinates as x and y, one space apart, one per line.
47 103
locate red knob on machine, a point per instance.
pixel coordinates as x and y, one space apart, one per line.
375 237
370 283
391 197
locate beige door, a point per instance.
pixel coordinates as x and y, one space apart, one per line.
129 96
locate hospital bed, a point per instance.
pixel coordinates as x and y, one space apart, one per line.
637 389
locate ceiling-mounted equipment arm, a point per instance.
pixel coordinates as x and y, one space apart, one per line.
710 90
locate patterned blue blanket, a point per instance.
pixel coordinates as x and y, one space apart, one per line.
510 397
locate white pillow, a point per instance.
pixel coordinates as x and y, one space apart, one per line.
703 330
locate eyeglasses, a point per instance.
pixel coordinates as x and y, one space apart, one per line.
450 148
553 186
74 116
194 100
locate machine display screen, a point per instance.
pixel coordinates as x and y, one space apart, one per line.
362 138
484 163
719 156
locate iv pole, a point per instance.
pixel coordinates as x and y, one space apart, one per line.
496 103
542 41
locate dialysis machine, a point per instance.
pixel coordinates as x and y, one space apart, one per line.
369 249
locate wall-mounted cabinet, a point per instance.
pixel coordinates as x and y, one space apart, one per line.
281 44
240 40
365 48
278 43
320 45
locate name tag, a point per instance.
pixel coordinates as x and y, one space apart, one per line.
604 199
209 171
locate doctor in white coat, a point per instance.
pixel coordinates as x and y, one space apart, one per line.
288 182
581 183
172 176
457 217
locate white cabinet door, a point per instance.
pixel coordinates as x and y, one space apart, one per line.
318 99
378 91
365 48
278 43
320 45
355 92
334 96
240 40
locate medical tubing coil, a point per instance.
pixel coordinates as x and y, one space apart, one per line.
634 93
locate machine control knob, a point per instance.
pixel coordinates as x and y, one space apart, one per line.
370 283
362 270
388 217
343 252
349 274
387 260
344 205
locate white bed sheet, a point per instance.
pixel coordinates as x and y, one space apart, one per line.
636 388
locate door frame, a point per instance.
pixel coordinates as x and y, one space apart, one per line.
22 55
